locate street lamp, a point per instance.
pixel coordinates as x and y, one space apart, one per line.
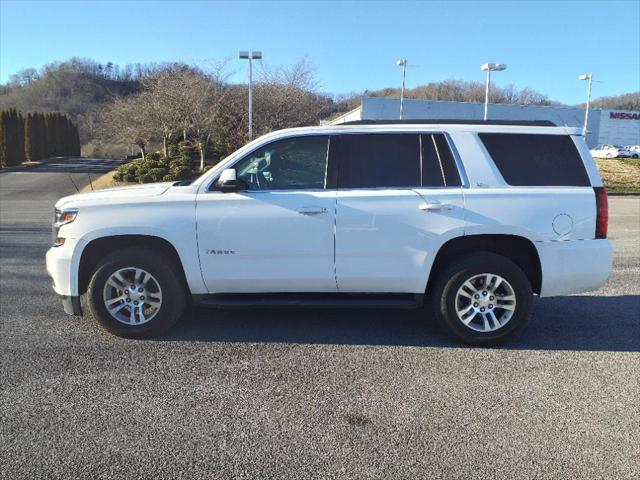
589 77
402 62
244 55
490 67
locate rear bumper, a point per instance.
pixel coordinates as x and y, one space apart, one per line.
574 266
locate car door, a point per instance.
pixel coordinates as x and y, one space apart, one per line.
395 208
277 235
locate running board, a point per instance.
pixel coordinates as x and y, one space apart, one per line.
310 300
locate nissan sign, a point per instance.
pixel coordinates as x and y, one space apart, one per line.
624 116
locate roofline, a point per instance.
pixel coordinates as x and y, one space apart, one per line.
521 105
522 123
367 128
359 107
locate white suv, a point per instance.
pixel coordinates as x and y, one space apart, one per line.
467 219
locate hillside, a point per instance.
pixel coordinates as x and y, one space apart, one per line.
82 88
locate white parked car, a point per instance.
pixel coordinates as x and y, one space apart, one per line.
468 220
634 150
609 151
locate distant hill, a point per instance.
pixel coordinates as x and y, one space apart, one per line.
468 91
77 87
626 101
82 87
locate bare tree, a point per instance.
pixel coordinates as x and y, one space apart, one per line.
164 100
126 119
202 96
286 97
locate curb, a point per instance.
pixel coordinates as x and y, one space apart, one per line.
28 165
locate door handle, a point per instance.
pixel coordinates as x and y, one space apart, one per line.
434 206
312 210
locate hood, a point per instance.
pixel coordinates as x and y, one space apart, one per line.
115 194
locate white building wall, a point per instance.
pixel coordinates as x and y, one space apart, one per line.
605 126
618 127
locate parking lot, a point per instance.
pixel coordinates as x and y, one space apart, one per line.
310 393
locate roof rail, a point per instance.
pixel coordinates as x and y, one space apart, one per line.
431 121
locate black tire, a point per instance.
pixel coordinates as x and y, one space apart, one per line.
452 278
164 272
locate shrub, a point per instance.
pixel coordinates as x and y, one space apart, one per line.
188 151
157 173
153 156
154 169
180 173
141 170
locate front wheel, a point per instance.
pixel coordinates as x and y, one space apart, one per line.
483 299
136 293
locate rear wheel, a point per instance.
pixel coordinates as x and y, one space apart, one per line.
136 293
483 299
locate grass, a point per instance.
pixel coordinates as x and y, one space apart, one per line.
104 181
620 175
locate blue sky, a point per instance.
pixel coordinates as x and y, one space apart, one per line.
354 45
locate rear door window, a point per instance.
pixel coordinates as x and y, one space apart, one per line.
530 160
377 160
392 160
438 165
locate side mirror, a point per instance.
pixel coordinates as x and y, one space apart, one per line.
227 182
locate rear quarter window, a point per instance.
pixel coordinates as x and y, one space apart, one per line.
533 160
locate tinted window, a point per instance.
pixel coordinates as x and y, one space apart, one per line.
378 160
297 163
438 165
536 160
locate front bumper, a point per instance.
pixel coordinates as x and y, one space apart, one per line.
63 269
71 305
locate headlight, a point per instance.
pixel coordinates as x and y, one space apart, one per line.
61 216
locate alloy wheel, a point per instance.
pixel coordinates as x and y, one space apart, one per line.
485 302
132 296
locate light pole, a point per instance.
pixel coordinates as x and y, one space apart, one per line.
244 55
490 67
402 62
589 77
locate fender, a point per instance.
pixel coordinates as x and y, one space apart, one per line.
190 263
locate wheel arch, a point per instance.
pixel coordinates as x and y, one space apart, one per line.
518 249
100 247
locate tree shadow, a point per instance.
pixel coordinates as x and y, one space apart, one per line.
593 323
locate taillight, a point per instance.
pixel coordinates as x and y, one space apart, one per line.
602 212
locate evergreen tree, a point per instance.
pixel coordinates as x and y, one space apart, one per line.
19 139
30 138
4 125
13 138
75 141
42 137
48 142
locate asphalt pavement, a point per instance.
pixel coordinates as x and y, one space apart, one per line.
310 393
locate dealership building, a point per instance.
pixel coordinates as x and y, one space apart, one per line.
615 127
